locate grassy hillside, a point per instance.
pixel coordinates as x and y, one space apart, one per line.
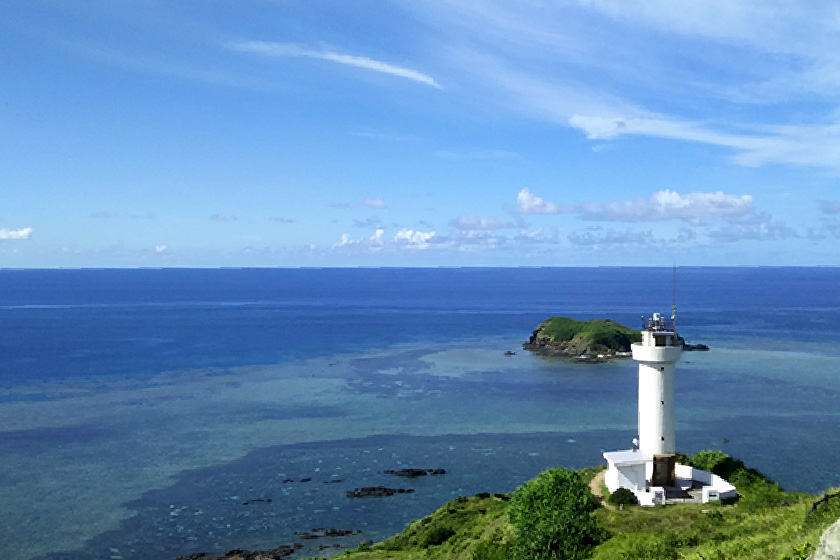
574 337
767 523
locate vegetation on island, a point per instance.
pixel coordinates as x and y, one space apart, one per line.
564 336
556 516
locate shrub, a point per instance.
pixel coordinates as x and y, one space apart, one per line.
437 536
551 518
623 497
757 490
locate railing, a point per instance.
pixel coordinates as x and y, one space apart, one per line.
657 324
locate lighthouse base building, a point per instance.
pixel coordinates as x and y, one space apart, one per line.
650 469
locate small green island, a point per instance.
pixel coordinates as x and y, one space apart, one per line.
593 340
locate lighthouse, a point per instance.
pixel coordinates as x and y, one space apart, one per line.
650 469
657 354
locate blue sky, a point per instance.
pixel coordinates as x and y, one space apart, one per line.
436 133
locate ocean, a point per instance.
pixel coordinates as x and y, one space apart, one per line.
147 414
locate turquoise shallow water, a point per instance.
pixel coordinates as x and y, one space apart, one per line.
156 462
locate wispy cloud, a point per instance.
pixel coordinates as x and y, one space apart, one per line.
466 222
367 222
281 220
730 56
377 203
292 50
670 205
16 234
486 154
830 206
374 203
598 237
104 215
223 218
759 226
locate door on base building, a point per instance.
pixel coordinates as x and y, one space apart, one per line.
663 470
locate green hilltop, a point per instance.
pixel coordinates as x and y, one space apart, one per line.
563 336
557 516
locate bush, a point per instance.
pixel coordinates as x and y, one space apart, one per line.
551 518
437 536
756 489
623 497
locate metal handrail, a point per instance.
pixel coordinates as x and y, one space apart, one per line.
660 324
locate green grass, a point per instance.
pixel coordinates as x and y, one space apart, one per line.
767 523
595 333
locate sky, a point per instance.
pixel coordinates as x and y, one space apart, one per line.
216 133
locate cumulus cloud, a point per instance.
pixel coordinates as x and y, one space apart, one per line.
756 227
596 237
413 238
15 234
374 203
404 239
160 248
465 222
668 205
529 203
374 242
538 235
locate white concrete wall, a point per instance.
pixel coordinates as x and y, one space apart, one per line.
656 408
724 488
611 479
631 477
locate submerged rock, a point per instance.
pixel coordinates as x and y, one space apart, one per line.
256 500
414 473
281 551
320 533
377 491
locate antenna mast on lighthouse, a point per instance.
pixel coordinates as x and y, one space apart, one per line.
674 298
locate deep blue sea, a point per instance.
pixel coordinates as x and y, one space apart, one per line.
139 409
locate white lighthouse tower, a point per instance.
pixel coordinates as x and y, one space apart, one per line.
657 353
649 469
